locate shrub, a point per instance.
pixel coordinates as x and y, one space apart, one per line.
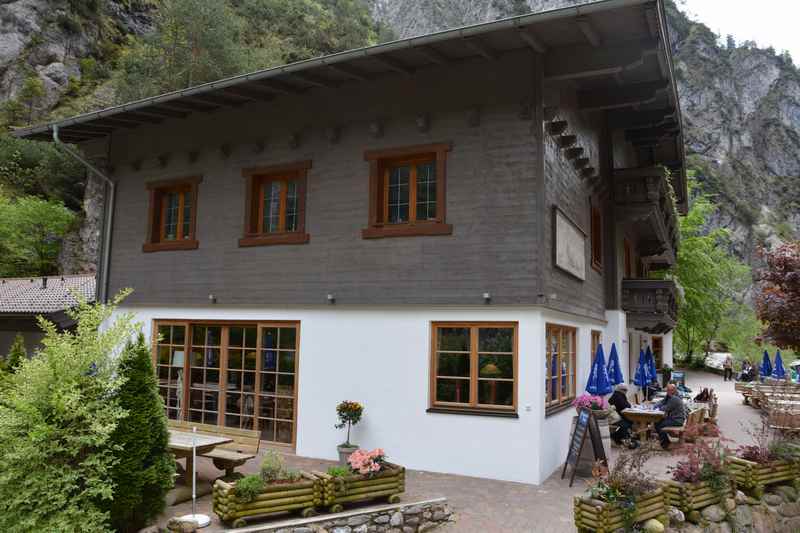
247 488
17 353
56 420
271 466
145 467
339 471
349 414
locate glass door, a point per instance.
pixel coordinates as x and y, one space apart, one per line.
170 359
277 395
204 372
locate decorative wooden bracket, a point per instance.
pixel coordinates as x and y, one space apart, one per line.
423 121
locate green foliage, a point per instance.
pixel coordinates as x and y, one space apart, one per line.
57 417
144 470
339 471
31 93
271 466
16 354
247 488
31 230
12 112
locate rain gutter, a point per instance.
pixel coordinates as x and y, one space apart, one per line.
108 216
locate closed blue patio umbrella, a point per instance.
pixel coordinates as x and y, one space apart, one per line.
766 366
599 383
614 369
651 364
778 372
642 376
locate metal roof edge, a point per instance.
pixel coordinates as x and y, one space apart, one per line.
339 57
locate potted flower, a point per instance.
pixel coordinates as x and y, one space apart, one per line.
701 478
598 405
367 475
621 497
275 489
770 459
349 414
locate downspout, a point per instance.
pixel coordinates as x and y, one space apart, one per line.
108 217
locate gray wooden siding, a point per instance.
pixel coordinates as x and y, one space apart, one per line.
491 193
566 189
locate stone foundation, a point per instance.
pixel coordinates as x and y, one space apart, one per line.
777 512
401 518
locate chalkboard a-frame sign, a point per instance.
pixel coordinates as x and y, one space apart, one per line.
586 423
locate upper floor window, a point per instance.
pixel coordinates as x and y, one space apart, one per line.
172 215
407 191
275 205
597 235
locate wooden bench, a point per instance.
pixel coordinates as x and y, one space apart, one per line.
694 418
225 457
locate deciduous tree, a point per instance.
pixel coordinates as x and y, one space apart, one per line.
778 296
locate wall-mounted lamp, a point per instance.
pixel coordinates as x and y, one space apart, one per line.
487 298
212 299
331 299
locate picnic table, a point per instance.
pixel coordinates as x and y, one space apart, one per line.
643 419
180 442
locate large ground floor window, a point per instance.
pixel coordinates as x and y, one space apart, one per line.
560 363
240 375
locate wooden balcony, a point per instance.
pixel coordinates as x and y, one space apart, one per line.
651 304
643 201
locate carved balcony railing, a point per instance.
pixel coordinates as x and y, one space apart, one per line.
642 199
651 304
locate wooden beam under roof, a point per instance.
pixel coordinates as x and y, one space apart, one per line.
215 99
628 120
350 72
576 62
618 97
141 117
184 105
278 87
480 48
433 55
116 122
157 111
529 37
249 93
652 133
316 81
393 64
588 30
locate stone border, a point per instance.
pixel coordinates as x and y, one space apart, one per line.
413 517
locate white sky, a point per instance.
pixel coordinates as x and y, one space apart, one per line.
767 22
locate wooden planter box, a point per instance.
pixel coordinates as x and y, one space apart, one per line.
602 517
304 495
753 477
690 496
389 484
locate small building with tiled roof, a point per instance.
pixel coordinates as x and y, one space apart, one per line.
22 300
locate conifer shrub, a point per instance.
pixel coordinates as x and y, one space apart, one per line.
16 354
57 415
143 473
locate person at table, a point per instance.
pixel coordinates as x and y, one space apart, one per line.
727 368
620 402
674 414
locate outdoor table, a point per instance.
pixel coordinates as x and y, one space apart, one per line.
180 442
642 419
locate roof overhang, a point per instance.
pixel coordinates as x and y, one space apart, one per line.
614 53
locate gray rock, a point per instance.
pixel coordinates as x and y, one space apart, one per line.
396 519
713 513
773 499
342 529
653 526
730 504
181 525
438 516
302 530
357 520
789 509
676 516
412 521
741 497
427 526
788 493
416 509
744 516
363 528
382 519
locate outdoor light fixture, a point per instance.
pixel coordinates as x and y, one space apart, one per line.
487 297
212 299
331 299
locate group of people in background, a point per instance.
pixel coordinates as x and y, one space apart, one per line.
674 415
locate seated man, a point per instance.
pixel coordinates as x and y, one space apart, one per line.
620 402
674 414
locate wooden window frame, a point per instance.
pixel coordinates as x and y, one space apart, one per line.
255 177
627 259
596 231
563 401
154 239
379 163
597 339
473 407
223 362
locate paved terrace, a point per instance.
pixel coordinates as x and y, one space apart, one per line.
483 506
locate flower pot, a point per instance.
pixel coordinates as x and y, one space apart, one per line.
389 483
601 414
753 477
604 517
344 452
691 496
304 495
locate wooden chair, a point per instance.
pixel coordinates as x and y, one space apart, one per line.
694 419
229 456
